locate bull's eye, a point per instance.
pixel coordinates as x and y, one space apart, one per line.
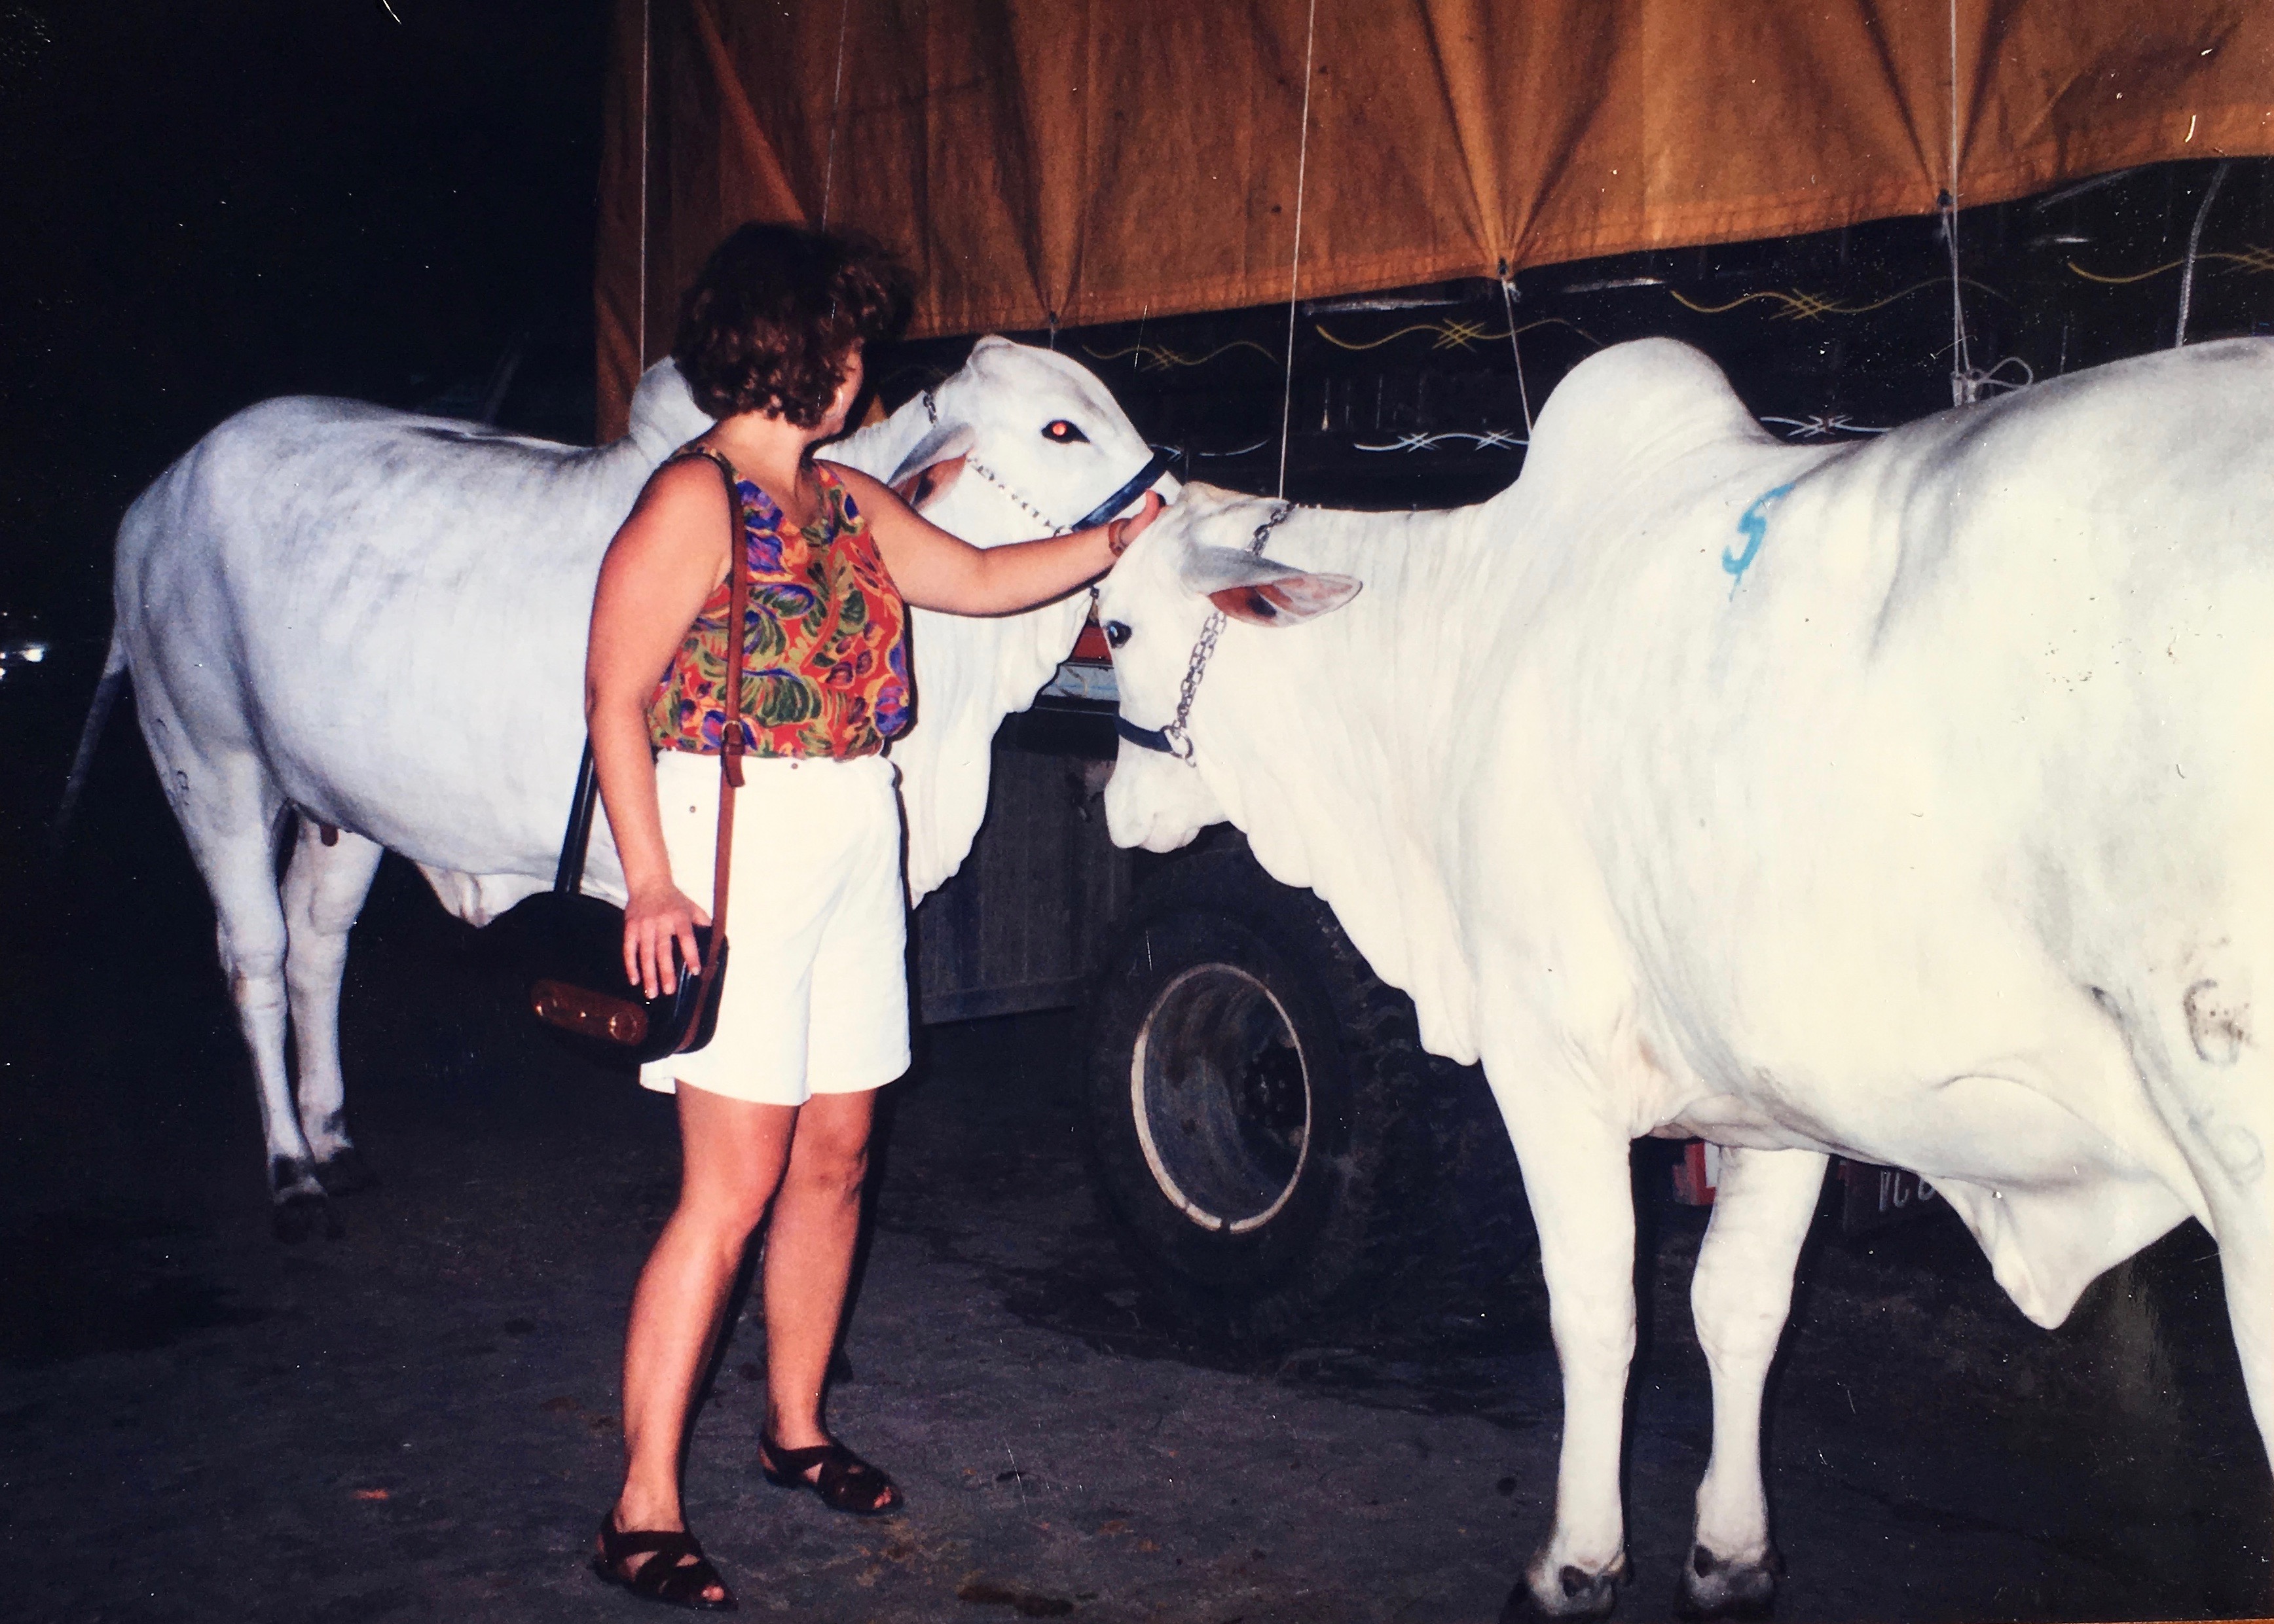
1065 433
1117 633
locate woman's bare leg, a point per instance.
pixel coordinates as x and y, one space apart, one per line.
808 1258
732 1155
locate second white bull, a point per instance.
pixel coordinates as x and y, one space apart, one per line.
1906 799
378 621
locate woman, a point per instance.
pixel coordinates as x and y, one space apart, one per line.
814 1013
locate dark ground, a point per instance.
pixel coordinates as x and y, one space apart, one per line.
417 1419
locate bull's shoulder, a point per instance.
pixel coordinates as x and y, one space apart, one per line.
300 419
2150 435
258 487
321 445
290 411
1651 398
2208 405
2229 368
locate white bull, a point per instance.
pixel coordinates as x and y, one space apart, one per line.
378 621
1907 800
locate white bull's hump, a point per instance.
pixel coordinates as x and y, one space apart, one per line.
1637 403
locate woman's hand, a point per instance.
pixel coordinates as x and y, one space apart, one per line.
936 570
655 917
1120 532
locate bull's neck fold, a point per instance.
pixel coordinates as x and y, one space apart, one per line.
1354 727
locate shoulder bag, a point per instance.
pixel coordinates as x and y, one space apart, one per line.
577 986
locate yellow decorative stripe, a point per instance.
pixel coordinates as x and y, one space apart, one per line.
1161 355
1457 334
1801 306
2118 282
2253 258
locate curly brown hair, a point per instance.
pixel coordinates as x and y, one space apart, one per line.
769 323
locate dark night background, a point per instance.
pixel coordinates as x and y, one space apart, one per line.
209 205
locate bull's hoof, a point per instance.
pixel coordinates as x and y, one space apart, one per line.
299 1214
1575 1595
345 1173
1714 1588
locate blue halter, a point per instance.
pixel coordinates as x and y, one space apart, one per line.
1162 455
1149 738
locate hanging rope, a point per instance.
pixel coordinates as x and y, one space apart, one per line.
1508 303
1295 267
2194 241
836 98
1965 384
1969 383
639 320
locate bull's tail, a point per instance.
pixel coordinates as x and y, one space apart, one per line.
106 695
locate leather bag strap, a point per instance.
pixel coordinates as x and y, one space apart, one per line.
569 873
730 738
567 878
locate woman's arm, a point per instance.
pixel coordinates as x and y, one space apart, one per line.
935 570
668 557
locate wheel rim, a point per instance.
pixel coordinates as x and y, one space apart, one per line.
1220 1091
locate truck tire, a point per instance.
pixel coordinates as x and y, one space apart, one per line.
1257 1102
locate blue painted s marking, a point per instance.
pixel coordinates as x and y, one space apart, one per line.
1753 525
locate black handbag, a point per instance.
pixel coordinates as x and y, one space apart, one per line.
574 944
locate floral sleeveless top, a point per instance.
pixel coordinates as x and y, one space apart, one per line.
825 648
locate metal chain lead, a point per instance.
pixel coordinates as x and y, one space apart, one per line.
1179 736
1017 500
1263 530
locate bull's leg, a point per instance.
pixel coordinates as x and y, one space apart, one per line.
2234 1159
2246 1256
228 807
2208 1048
1739 1298
324 889
1575 1165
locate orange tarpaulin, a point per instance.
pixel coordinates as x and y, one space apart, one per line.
1068 161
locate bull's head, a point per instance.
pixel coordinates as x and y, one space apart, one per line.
1017 432
1017 443
1196 576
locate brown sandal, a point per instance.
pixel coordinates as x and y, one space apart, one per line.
845 1483
676 1573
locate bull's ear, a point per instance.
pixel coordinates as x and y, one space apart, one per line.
943 444
1262 590
927 485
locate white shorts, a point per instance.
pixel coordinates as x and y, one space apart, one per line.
816 993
